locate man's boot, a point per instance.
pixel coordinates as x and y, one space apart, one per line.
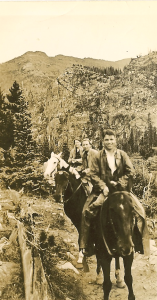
94 207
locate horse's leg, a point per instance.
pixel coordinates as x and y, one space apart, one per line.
128 277
119 281
85 265
99 277
82 263
107 284
81 255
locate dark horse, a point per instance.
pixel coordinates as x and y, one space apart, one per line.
113 227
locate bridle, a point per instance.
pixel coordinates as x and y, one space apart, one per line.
115 233
112 224
113 227
67 200
54 167
104 240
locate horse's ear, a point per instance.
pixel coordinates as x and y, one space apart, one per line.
59 155
52 154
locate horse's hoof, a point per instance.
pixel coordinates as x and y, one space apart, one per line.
131 297
120 284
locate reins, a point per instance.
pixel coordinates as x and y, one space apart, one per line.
65 201
54 168
114 230
72 169
104 240
112 225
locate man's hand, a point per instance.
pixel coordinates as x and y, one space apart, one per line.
86 171
74 160
105 191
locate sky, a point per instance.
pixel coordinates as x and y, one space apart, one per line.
108 30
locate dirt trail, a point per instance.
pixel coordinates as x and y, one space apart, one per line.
144 273
52 219
144 270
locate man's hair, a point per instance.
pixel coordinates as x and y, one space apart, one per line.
109 132
86 139
77 139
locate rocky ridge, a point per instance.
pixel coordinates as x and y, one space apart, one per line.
121 101
70 98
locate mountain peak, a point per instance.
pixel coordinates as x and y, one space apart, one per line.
34 53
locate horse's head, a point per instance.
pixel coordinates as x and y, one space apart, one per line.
121 218
61 182
58 170
50 167
53 164
62 179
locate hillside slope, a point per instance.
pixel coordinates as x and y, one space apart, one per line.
120 101
68 98
37 70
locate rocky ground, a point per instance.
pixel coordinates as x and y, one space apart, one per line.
56 238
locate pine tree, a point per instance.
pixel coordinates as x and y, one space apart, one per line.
6 124
45 149
23 142
13 107
22 164
132 140
14 98
21 154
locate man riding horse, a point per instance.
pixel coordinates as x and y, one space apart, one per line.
87 158
75 158
111 170
80 158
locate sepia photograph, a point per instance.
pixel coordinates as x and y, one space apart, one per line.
78 150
